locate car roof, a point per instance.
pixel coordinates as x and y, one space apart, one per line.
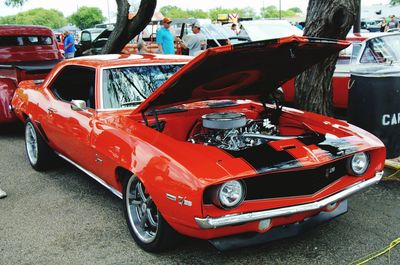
367 36
113 60
21 30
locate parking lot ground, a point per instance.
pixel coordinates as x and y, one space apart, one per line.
64 217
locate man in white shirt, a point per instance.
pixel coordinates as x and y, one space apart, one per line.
195 43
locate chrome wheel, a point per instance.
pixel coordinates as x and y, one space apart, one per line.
31 143
143 214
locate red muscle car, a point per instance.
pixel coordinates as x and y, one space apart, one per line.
192 147
26 53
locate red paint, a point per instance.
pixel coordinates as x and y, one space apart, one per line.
13 57
165 161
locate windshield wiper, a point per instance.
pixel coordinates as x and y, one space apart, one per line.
131 103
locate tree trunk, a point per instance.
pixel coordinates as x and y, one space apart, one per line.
325 19
125 29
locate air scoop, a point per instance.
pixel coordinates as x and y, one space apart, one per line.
224 120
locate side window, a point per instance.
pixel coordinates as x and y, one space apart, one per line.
75 83
86 36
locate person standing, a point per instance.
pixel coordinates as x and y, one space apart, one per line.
383 25
393 23
165 39
234 29
69 45
195 43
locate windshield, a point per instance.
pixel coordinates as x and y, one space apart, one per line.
125 87
382 50
268 29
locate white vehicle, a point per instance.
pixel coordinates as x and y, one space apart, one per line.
268 29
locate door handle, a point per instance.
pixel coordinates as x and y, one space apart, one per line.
51 110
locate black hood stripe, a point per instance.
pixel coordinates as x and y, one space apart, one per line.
264 158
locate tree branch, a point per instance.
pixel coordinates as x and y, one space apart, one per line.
125 29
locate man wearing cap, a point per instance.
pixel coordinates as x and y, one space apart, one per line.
165 39
195 43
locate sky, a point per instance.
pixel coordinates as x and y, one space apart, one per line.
109 6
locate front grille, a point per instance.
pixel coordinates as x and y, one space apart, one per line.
294 183
289 184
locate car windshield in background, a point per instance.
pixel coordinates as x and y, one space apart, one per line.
128 86
384 49
25 40
215 31
268 29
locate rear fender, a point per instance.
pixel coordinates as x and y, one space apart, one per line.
7 89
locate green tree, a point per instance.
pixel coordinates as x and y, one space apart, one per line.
273 12
269 12
197 13
295 10
174 12
86 17
394 2
247 12
8 20
38 16
214 12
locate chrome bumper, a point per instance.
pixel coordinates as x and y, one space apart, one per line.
209 222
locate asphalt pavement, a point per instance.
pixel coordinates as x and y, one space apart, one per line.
64 217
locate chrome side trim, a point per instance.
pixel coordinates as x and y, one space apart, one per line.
93 176
210 222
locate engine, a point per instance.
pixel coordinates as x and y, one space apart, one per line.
233 131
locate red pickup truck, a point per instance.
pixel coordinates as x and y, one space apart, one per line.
26 53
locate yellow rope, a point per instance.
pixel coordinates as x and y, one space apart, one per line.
378 253
393 176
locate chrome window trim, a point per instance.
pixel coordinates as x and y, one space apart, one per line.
101 69
234 219
93 176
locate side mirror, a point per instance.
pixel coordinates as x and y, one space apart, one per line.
78 105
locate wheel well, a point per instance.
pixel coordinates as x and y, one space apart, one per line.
25 116
122 174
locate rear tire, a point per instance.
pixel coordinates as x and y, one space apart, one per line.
146 224
40 155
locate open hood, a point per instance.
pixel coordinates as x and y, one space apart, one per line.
244 71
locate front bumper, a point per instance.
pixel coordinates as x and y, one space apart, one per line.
210 222
276 233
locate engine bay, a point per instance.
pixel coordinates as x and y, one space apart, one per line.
234 131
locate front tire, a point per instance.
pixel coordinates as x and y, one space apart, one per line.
146 224
40 155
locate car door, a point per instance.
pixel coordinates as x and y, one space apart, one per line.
67 127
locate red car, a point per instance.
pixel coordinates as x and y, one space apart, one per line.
26 53
192 147
365 48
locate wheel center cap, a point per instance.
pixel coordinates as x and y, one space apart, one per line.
144 207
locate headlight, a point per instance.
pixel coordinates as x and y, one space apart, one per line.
230 194
358 164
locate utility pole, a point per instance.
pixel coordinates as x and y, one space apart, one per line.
357 21
280 9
